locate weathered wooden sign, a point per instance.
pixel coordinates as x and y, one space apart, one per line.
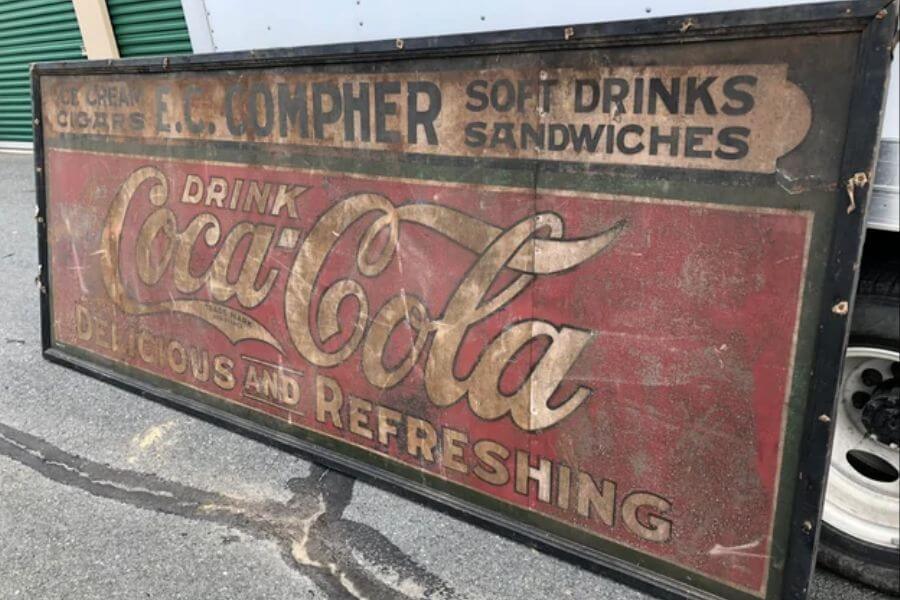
588 283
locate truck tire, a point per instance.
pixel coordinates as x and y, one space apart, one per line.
860 537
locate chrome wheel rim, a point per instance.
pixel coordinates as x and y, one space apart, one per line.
863 495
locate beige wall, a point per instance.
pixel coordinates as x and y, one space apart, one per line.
96 29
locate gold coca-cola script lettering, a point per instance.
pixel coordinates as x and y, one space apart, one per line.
531 247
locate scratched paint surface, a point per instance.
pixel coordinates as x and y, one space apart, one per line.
611 363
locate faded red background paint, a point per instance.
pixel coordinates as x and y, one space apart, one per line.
694 309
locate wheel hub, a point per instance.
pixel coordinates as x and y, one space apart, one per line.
881 414
863 495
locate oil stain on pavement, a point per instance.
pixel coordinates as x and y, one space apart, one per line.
309 528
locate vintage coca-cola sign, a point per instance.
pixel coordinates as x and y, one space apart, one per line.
576 290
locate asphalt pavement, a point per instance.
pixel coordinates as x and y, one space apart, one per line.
107 495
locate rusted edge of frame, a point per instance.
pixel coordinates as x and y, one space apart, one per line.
860 155
850 15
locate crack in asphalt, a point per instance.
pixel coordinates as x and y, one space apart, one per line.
337 554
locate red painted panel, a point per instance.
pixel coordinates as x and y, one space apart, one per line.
622 367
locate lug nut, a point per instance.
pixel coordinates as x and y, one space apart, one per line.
859 399
871 377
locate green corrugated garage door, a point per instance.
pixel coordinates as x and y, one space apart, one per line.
30 31
149 27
